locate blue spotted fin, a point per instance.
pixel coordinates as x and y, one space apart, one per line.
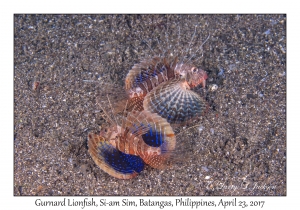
113 161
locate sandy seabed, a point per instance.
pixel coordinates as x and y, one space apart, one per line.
237 148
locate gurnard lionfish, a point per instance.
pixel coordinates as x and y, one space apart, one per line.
163 86
123 149
159 90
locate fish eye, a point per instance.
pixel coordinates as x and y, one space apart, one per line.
194 70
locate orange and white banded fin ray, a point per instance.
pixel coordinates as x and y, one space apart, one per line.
174 101
184 150
112 98
114 105
148 136
181 153
111 160
135 103
149 73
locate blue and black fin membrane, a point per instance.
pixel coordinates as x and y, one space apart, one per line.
113 161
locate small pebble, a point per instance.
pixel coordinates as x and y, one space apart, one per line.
201 128
231 67
250 95
214 87
66 143
221 73
83 168
267 32
282 74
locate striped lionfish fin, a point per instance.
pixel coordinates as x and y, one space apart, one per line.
148 136
149 73
113 161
